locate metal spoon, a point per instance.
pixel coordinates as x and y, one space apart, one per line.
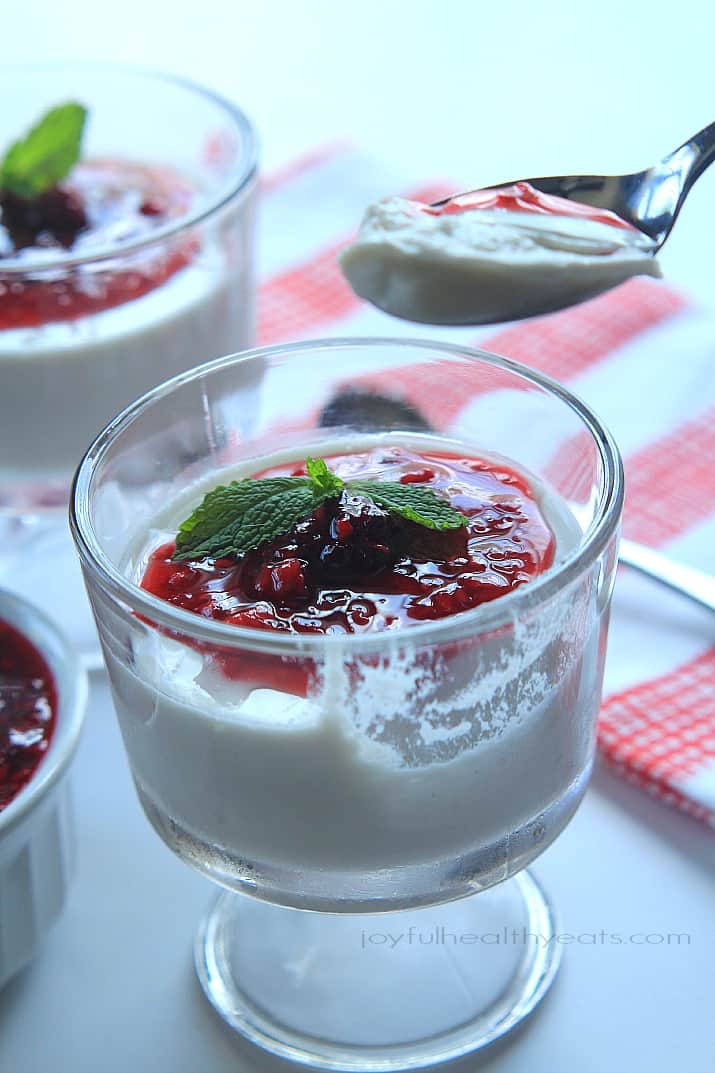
686 580
369 411
649 200
494 267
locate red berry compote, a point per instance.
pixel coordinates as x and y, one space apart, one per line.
352 567
28 706
104 202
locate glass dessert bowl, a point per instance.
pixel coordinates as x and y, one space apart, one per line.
111 281
359 715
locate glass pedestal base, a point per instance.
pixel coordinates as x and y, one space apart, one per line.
379 991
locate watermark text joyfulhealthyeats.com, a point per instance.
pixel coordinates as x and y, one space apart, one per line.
442 936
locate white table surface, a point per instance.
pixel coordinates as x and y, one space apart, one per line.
458 90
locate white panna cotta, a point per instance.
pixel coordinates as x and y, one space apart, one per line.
139 296
428 746
62 382
491 256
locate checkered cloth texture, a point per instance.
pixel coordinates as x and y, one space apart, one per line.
643 356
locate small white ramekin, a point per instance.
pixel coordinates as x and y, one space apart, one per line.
37 837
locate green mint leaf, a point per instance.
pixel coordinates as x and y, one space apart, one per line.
275 516
218 517
46 154
237 517
412 502
322 478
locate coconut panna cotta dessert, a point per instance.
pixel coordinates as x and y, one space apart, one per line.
491 255
337 751
356 654
116 271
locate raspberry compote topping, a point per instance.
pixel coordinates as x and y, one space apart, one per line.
352 567
523 197
103 204
28 702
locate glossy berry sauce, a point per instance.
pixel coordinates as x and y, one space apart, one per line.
351 567
523 197
102 205
28 705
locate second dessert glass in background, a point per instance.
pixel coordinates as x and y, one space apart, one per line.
147 305
353 774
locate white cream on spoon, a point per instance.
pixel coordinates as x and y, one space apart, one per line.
490 256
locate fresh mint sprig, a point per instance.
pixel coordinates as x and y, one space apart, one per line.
241 516
46 154
322 478
420 505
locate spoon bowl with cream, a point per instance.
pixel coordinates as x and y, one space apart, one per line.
521 249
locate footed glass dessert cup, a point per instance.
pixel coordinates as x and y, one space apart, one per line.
161 271
368 801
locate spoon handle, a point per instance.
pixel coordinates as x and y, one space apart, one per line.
679 171
694 156
686 580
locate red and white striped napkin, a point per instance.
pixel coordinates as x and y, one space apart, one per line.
643 357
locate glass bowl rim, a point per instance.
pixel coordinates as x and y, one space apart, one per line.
486 616
37 627
245 171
